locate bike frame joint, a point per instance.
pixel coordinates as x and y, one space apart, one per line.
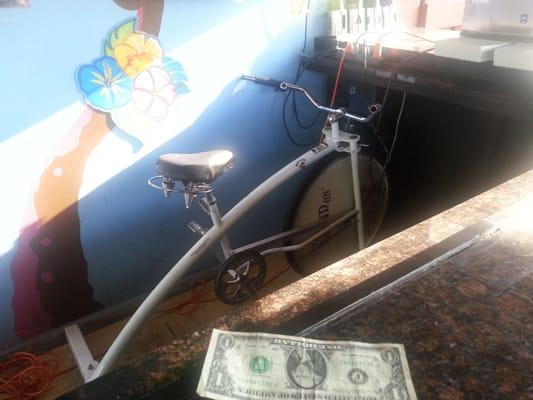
192 189
344 141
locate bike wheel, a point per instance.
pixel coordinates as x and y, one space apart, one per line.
329 194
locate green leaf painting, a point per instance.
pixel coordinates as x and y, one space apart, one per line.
118 35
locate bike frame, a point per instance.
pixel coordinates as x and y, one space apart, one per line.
335 140
224 250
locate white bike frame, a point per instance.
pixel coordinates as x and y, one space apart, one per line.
352 145
335 140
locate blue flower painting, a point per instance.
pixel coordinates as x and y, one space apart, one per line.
133 68
104 85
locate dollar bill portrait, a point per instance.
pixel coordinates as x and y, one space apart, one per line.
306 368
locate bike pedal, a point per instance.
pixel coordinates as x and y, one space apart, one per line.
196 228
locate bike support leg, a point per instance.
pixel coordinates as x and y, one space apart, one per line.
349 142
354 158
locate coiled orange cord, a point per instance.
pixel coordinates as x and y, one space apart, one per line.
25 375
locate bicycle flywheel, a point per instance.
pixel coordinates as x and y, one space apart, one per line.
327 196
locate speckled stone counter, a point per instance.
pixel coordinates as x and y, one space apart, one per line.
172 371
466 324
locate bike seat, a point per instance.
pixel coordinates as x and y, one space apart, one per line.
196 167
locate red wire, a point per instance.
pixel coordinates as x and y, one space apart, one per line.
347 50
25 375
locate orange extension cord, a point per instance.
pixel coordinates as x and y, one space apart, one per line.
199 289
25 375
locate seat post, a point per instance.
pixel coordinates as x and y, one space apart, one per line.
214 213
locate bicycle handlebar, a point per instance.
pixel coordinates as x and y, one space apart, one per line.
264 81
374 109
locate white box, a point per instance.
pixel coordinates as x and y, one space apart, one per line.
468 49
518 56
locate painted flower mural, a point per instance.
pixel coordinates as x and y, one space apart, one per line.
104 85
134 71
137 53
153 92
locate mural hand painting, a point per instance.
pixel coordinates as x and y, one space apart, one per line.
134 82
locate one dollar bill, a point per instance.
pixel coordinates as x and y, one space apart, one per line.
257 366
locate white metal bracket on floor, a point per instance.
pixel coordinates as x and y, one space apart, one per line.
81 353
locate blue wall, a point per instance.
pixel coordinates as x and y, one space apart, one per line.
130 235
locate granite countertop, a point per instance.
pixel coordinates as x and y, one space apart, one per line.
179 363
467 324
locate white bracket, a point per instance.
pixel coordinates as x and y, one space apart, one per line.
81 353
342 137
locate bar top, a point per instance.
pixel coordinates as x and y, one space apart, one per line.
175 368
466 324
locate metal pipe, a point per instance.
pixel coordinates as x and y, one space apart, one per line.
283 235
309 240
214 213
335 130
354 155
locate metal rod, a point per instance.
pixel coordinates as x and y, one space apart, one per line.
335 131
214 213
312 238
283 235
354 155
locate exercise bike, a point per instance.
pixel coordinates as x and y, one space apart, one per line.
329 212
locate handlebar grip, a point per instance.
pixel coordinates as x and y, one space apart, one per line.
264 81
